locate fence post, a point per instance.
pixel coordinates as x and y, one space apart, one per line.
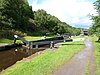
64 40
51 44
36 46
14 40
31 45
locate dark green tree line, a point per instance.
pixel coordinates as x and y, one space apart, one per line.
16 12
45 21
18 15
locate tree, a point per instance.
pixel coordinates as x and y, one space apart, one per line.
60 28
45 21
97 6
52 21
96 20
17 13
4 22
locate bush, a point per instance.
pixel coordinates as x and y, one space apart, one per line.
10 33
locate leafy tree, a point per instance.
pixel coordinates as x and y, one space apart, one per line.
45 21
40 18
49 23
76 31
52 21
97 6
96 20
59 28
17 13
1 17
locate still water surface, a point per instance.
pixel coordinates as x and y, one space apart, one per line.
10 57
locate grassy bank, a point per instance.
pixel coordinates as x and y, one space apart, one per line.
47 62
76 37
29 38
3 40
97 51
97 47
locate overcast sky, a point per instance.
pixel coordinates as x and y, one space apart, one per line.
74 12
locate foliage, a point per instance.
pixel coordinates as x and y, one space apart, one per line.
18 15
49 23
10 33
97 6
45 21
95 29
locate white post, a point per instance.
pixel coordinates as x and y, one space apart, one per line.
51 44
31 45
36 47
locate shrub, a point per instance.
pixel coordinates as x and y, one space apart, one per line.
10 33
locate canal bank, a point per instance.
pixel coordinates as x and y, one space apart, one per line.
45 62
9 56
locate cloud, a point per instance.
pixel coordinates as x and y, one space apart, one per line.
70 11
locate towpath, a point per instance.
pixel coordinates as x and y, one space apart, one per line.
77 65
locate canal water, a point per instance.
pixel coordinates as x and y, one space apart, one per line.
10 57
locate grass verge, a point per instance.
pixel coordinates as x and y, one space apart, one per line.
76 37
29 38
47 62
3 40
87 68
97 52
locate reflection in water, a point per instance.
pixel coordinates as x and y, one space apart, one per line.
9 57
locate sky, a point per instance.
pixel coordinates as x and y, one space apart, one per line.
73 12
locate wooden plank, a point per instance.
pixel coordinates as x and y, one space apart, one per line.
48 42
41 43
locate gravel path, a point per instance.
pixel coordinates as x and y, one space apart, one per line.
77 65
